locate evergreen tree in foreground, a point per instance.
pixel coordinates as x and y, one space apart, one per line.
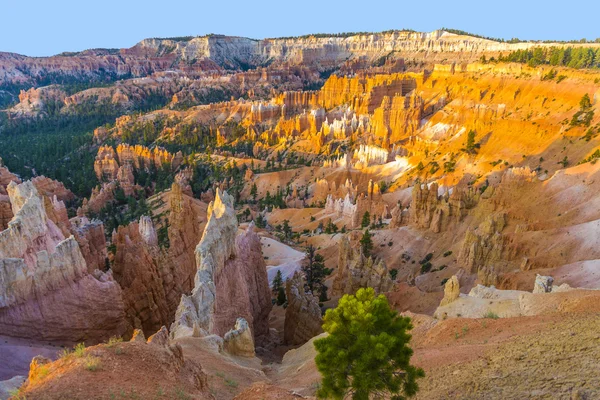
366 352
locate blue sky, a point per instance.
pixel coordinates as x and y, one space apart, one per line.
46 27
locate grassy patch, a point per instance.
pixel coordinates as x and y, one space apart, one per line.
92 363
491 315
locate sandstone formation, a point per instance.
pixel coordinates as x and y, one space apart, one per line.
543 284
6 213
91 240
141 366
231 281
482 248
356 271
451 291
429 211
239 341
51 188
214 51
153 278
302 315
137 268
47 291
186 221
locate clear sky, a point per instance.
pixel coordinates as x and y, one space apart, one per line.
46 27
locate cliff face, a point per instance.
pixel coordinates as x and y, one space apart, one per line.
111 164
231 280
215 52
356 271
186 225
136 268
153 278
483 248
302 315
430 211
47 291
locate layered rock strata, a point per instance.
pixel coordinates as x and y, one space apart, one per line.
231 280
46 290
356 271
303 319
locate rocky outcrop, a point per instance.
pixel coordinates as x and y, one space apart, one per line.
51 188
543 284
231 280
5 212
101 195
136 268
92 242
481 301
356 271
430 211
303 319
451 291
399 216
46 290
118 165
214 52
185 227
239 341
482 248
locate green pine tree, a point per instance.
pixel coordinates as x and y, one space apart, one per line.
254 192
277 282
366 353
281 298
314 269
366 219
366 243
287 229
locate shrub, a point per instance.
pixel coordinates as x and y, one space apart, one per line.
92 363
79 350
113 341
491 315
426 267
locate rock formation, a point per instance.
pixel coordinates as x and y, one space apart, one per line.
399 216
543 284
47 291
302 315
185 228
356 271
137 268
429 211
51 188
231 280
451 291
91 240
482 248
239 341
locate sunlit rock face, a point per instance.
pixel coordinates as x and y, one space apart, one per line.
231 280
47 291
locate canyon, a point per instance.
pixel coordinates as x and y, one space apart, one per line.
459 186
